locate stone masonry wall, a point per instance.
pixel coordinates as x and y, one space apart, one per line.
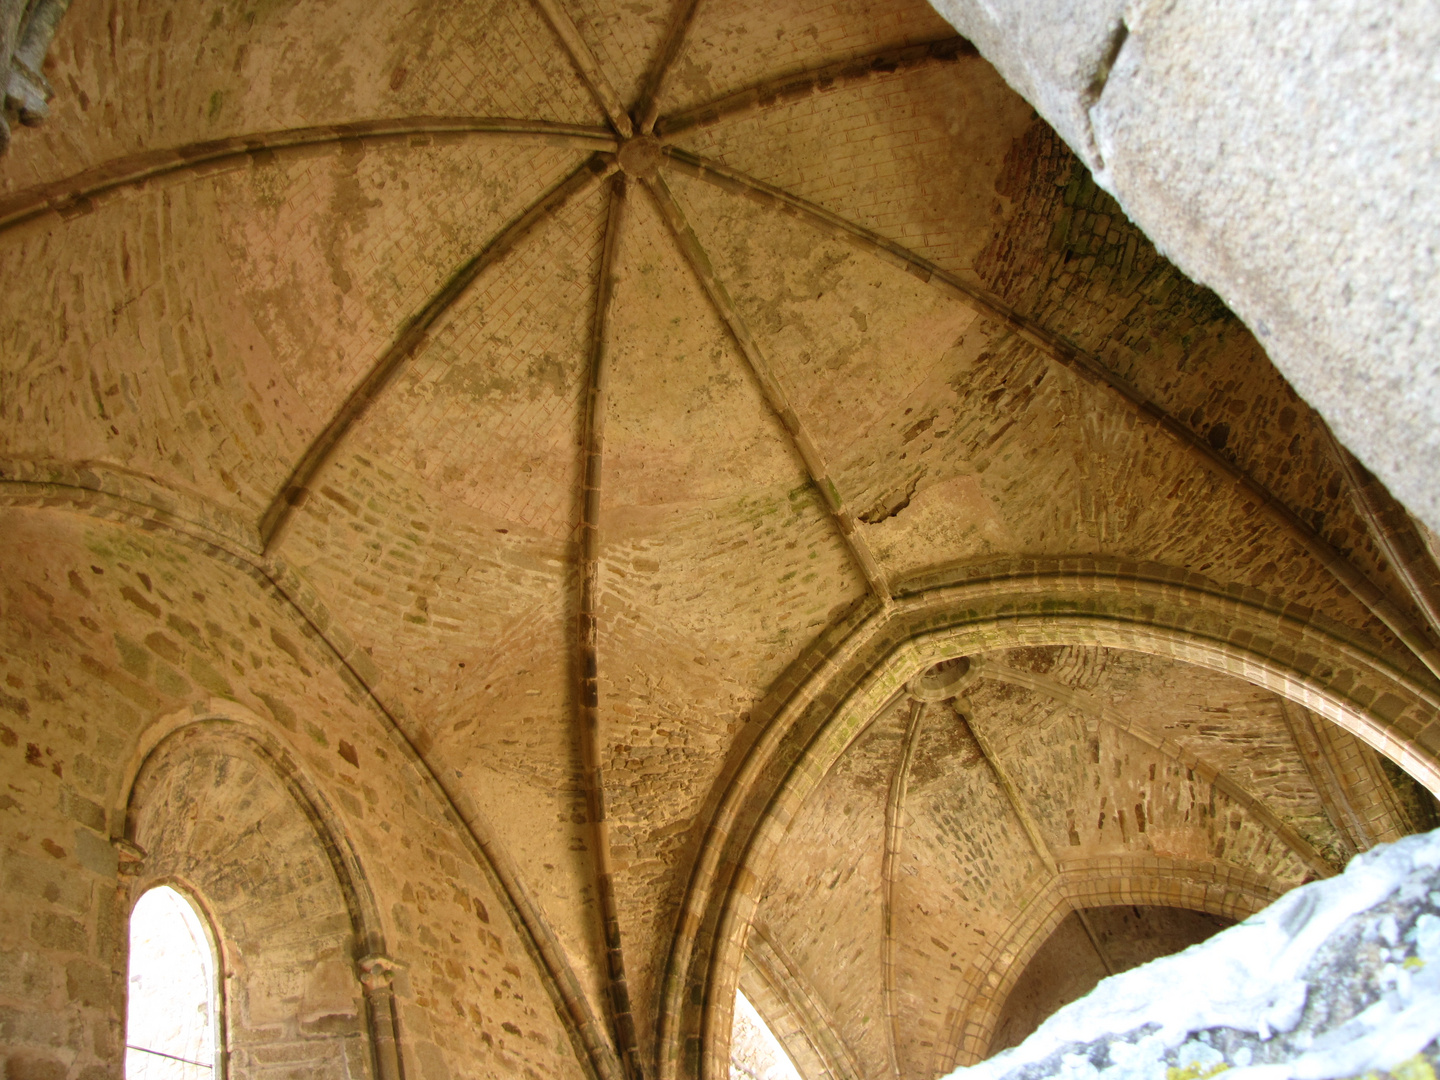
105 631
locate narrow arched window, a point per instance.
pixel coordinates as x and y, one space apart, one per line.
170 1020
755 1052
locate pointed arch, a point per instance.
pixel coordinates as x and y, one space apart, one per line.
1384 697
226 729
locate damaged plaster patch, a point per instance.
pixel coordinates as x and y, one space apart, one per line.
891 505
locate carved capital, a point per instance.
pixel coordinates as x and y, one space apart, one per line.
377 971
131 856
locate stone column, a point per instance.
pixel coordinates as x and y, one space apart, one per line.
377 975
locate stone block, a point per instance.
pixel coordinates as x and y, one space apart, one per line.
51 930
96 853
29 1065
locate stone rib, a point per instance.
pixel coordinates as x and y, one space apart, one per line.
797 85
648 104
587 66
587 700
775 395
1265 640
1084 365
1331 788
1097 712
785 980
1393 530
80 194
964 715
894 834
412 339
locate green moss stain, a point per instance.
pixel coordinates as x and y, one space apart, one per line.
134 658
284 715
207 677
1194 1072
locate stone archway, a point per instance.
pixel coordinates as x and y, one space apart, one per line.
1363 686
217 806
973 1016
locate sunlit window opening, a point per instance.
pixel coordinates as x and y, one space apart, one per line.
755 1052
170 1022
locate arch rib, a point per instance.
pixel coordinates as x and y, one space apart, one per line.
781 979
587 66
1160 611
81 193
894 834
1097 711
775 395
587 659
1218 890
843 74
648 103
1394 532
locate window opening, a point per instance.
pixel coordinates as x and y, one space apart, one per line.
755 1052
170 1017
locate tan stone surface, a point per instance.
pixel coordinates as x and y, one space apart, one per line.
292 445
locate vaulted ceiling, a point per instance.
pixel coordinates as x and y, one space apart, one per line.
549 344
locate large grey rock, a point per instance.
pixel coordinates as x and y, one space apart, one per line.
1286 153
1335 979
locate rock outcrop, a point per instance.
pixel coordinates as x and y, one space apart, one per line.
1339 978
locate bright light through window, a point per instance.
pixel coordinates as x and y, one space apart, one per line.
755 1052
170 1022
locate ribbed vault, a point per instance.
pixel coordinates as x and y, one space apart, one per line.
609 390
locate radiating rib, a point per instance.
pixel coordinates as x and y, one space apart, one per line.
589 69
413 337
964 716
1097 712
774 393
587 662
1334 793
801 84
1084 365
649 101
1350 802
77 195
894 833
1393 530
